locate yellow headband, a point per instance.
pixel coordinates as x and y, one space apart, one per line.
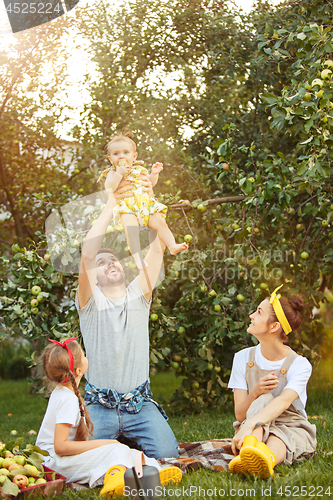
274 300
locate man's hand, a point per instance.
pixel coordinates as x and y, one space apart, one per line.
157 168
124 190
146 184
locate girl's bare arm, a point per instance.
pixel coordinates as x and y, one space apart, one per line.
65 447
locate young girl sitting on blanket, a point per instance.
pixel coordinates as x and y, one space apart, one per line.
269 383
66 428
142 209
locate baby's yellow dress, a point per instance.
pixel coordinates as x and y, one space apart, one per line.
142 205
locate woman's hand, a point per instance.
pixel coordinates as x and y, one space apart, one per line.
265 384
237 440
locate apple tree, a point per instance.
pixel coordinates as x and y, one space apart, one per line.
36 300
271 225
37 167
250 189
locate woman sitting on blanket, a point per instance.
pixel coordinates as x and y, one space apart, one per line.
269 383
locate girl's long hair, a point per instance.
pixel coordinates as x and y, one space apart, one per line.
55 362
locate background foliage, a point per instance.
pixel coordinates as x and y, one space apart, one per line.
239 108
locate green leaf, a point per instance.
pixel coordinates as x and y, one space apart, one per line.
225 301
269 29
37 459
279 115
269 97
49 270
30 448
308 125
323 169
10 488
302 168
307 140
17 309
23 471
153 358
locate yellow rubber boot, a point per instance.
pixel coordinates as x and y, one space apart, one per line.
113 481
170 474
236 466
257 459
250 441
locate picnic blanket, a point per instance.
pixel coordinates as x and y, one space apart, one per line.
214 454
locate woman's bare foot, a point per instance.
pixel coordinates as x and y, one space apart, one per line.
140 263
177 248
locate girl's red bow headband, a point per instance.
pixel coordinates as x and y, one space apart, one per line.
70 354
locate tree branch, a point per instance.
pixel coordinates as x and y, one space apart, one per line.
215 201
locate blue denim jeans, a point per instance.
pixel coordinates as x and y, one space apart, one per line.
148 428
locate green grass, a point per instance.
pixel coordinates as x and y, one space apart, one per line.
313 474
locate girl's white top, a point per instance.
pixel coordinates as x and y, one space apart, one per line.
297 375
63 408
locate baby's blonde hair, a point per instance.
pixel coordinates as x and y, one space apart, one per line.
124 136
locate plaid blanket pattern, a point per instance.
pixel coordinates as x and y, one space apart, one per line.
214 454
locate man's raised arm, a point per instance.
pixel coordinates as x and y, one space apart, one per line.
92 243
154 258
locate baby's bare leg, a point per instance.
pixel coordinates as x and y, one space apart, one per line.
132 231
165 235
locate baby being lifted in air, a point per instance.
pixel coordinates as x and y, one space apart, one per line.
141 209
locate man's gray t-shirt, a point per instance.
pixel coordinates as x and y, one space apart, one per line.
116 338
